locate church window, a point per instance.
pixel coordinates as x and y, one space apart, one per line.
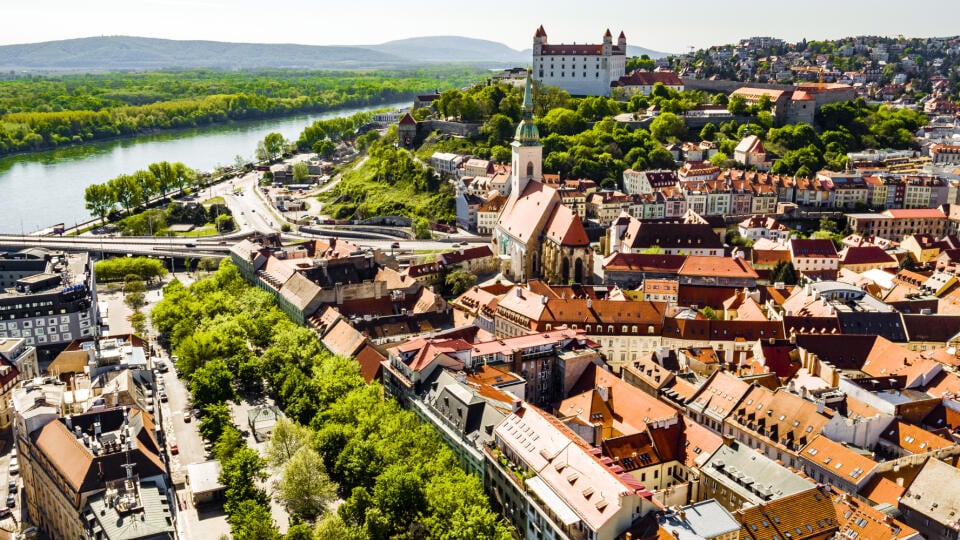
551 73
584 74
529 169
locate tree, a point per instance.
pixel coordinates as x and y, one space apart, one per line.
563 121
828 224
261 152
421 228
251 520
216 419
166 176
709 313
182 176
287 438
209 264
326 148
498 129
138 320
99 199
737 105
784 272
127 191
668 127
149 185
239 474
224 223
708 132
273 143
211 383
459 281
135 300
304 488
301 172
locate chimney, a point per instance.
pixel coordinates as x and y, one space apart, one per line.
96 429
68 420
519 292
589 303
517 405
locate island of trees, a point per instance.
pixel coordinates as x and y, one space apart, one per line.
41 112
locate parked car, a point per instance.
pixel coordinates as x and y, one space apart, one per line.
11 501
395 245
174 449
12 486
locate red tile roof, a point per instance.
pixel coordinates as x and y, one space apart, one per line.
566 229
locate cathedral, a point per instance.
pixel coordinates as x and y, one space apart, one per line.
536 235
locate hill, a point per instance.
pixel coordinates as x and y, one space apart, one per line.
126 53
119 53
452 49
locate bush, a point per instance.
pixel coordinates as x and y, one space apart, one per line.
120 267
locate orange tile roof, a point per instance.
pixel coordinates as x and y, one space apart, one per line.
914 439
882 490
805 515
717 267
628 409
792 418
866 521
838 459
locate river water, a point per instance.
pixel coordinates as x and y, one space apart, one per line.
41 189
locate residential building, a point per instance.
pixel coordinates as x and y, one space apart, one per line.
643 182
930 505
716 399
565 490
641 82
860 259
739 477
635 236
445 163
894 224
814 257
837 464
487 214
806 515
762 226
78 468
580 69
705 520
777 423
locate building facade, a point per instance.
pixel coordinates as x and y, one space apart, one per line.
581 70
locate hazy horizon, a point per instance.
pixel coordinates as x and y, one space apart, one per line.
659 27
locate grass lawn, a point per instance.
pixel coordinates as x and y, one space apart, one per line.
214 200
207 230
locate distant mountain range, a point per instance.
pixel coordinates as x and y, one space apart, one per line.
123 53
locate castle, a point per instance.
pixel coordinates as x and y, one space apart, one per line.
536 236
581 70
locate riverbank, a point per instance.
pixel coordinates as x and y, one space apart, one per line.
44 188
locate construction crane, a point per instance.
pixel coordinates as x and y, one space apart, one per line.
806 69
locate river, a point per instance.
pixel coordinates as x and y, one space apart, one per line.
44 188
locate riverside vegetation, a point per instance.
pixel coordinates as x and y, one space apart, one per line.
39 112
396 477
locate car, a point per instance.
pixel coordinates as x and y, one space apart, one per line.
163 397
12 486
196 413
191 244
207 446
395 245
174 449
5 512
187 418
456 245
11 501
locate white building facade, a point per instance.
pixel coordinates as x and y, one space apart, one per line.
580 69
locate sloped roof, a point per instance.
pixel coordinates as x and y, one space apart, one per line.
343 339
865 255
565 228
726 267
810 512
524 213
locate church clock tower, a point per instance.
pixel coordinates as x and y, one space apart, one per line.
527 163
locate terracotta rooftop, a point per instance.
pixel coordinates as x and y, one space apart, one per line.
722 267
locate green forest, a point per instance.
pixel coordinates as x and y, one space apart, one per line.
395 475
45 112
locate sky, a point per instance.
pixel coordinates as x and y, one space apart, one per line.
669 26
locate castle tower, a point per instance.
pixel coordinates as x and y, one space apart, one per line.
622 41
607 43
527 162
539 40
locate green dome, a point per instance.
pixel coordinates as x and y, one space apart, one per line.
527 132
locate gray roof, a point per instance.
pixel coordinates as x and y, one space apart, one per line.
751 475
705 519
153 521
927 494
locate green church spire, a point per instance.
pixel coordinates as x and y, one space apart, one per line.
527 133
